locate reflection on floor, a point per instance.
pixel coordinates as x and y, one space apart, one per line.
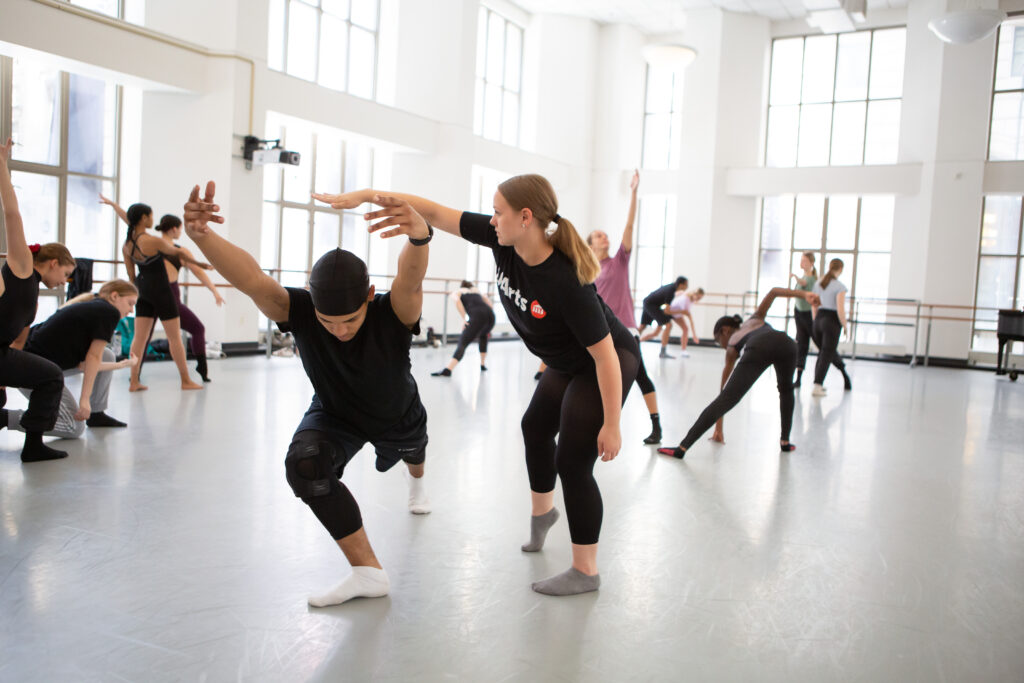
889 546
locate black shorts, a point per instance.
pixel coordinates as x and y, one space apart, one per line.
653 312
403 442
156 300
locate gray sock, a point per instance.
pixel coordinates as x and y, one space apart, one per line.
570 582
539 525
14 420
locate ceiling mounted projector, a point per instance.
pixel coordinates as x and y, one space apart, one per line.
966 26
669 55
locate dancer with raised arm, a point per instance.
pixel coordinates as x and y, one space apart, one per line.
354 345
26 267
757 346
545 285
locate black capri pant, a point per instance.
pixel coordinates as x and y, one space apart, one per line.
569 406
643 380
479 327
826 335
43 378
763 351
804 333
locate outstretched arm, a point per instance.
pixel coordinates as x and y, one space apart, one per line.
775 293
731 356
627 234
181 253
117 208
19 257
200 273
236 265
407 288
440 216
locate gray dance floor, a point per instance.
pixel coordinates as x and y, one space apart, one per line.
888 547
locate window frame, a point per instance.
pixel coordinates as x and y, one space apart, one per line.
481 81
1018 300
992 108
671 164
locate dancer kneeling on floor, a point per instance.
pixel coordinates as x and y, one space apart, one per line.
477 313
545 284
25 268
76 339
354 345
761 347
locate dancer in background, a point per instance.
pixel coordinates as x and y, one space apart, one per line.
613 286
653 311
679 309
829 321
545 284
802 312
477 314
757 346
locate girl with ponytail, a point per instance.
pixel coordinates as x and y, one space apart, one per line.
757 347
829 322
802 312
25 268
545 273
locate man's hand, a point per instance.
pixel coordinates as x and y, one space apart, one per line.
199 213
399 215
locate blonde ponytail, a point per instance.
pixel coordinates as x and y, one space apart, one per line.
119 287
534 192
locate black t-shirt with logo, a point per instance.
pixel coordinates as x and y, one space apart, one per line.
18 303
365 382
556 316
65 337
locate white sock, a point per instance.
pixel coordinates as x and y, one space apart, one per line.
363 582
419 503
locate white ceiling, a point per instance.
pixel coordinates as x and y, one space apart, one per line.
666 16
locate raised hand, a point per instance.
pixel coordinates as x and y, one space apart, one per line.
399 215
106 200
199 213
634 182
5 150
345 200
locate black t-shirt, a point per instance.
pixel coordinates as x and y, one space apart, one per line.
474 304
662 295
65 337
365 382
556 316
17 304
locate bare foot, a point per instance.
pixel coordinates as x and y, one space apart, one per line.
189 385
135 386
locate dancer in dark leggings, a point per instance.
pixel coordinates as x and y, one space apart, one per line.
545 287
613 286
761 347
829 322
654 311
170 230
26 267
477 313
354 345
802 315
156 299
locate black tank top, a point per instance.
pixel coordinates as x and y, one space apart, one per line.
474 303
18 304
174 260
150 267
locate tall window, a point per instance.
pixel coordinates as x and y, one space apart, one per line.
66 130
857 230
653 257
1006 135
1000 279
835 100
499 62
663 123
330 42
297 231
479 260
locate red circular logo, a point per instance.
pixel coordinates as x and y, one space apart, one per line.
537 310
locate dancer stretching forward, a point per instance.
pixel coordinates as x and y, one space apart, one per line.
354 346
761 346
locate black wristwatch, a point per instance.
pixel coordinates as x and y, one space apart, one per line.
420 243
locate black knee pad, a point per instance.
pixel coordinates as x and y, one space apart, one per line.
309 467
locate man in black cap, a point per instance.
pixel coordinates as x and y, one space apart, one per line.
354 346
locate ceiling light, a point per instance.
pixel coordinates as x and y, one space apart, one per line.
669 55
966 26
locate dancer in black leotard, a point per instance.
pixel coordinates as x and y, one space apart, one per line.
478 313
545 285
156 299
27 267
761 347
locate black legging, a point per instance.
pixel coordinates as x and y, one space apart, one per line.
826 335
42 377
570 407
804 332
643 381
481 322
761 352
